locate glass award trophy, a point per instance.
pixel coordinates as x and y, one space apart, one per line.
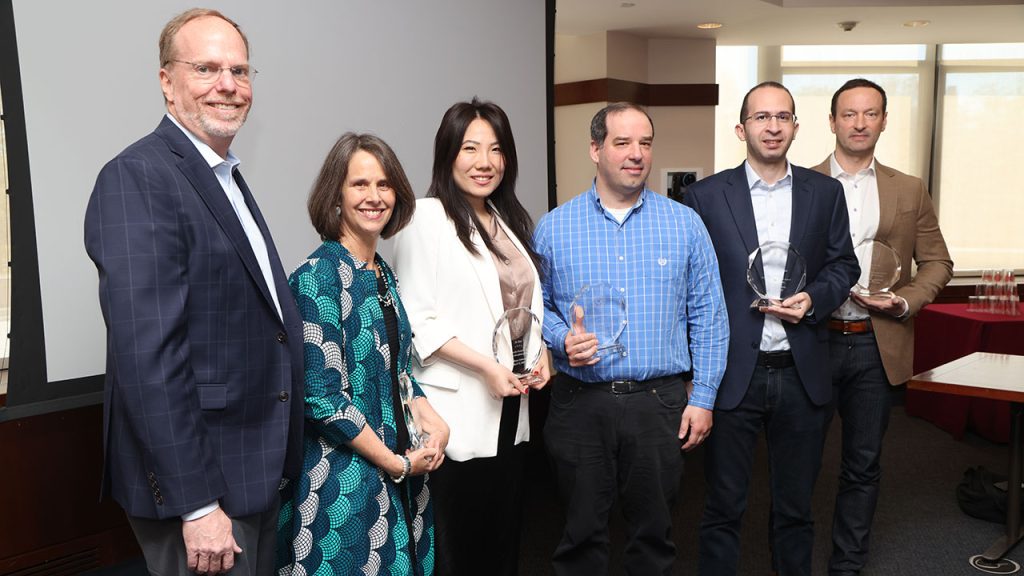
417 438
879 269
601 310
517 342
775 271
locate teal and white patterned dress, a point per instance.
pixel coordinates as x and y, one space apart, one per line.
344 515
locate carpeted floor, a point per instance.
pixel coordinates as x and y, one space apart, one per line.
919 530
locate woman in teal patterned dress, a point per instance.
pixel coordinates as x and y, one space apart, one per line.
362 505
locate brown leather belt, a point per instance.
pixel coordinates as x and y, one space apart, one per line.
850 326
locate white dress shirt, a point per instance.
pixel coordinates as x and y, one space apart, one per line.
861 191
773 215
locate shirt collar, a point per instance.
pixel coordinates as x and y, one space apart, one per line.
596 199
754 181
211 157
838 171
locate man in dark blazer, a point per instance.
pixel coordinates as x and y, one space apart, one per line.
203 396
778 373
872 338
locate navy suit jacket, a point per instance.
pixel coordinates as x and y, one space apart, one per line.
203 393
820 231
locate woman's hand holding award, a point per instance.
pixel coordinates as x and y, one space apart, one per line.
417 437
517 342
601 308
880 269
775 271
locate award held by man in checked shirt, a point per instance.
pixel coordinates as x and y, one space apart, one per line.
601 309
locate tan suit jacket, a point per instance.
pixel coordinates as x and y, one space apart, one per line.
907 222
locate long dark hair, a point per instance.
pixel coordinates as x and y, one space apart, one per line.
447 144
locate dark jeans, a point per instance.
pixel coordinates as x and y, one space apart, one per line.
776 402
862 395
605 446
478 507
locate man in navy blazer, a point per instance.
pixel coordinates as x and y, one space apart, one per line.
203 403
778 374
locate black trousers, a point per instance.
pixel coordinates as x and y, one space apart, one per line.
164 549
777 403
605 446
478 507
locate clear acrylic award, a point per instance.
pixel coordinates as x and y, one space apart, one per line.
879 269
775 271
517 341
602 309
417 438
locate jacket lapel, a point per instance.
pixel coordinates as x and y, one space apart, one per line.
198 173
276 268
888 201
737 196
803 207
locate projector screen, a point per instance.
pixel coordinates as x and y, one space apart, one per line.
89 87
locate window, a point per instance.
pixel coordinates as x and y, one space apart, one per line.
736 72
953 117
978 190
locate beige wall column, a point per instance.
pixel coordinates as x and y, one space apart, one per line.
684 135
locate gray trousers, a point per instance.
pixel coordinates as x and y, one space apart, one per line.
164 548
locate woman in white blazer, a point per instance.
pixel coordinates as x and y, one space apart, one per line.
466 258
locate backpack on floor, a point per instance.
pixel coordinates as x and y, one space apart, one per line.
978 495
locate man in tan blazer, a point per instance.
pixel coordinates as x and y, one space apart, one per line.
872 338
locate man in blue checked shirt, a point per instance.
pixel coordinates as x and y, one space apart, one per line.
621 419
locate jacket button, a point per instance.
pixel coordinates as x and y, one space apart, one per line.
281 337
283 396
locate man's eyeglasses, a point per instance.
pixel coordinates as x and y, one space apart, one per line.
766 117
208 73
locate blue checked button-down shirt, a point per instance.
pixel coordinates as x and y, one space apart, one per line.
662 259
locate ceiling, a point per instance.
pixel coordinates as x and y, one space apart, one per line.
774 22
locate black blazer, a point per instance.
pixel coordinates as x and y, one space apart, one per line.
820 231
203 392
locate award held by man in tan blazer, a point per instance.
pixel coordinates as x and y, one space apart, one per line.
871 338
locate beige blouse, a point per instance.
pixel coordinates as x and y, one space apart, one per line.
514 272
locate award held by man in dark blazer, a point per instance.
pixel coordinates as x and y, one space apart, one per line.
203 394
777 378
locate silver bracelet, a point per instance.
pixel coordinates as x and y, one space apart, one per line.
406 469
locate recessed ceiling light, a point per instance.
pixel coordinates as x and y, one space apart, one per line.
916 23
709 25
628 4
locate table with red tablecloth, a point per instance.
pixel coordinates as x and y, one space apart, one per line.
945 332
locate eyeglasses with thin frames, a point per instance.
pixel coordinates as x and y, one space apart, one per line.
766 117
208 73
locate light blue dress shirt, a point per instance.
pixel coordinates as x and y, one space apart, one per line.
661 258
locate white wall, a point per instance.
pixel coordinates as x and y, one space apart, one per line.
89 79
